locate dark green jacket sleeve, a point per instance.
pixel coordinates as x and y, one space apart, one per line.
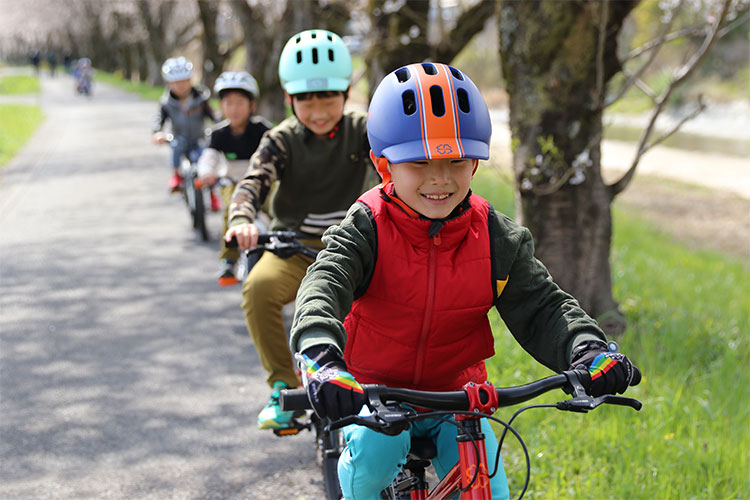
340 273
544 319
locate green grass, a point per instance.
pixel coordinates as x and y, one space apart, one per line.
19 84
151 92
688 324
17 123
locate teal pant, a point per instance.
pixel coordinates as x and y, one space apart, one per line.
371 460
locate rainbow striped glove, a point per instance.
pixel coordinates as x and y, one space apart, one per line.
610 371
333 391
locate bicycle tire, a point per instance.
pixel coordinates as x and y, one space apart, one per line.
199 212
330 445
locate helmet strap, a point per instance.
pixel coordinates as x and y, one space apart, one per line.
381 165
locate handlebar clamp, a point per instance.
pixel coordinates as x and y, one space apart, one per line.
481 392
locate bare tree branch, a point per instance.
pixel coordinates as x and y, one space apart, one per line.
655 51
470 23
680 75
692 30
603 17
685 32
698 110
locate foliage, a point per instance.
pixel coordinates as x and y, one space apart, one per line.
688 318
17 123
19 84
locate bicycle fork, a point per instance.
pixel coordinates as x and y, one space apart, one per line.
470 440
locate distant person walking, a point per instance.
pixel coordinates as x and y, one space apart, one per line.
52 61
35 59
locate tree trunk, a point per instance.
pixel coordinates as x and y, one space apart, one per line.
213 59
398 37
556 67
263 43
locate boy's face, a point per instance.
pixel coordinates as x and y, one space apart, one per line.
433 187
319 114
181 88
237 108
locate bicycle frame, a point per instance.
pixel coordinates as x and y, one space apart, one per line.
471 472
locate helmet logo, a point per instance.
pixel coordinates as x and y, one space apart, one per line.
444 149
317 83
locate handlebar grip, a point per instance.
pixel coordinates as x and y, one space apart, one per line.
636 376
294 399
232 243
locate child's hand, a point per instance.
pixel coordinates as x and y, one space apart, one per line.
610 371
333 391
245 234
208 179
158 138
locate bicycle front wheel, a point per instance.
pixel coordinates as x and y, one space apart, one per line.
330 446
199 212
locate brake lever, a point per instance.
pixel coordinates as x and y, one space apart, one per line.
612 399
392 420
584 404
389 419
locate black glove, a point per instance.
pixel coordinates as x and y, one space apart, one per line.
610 371
333 391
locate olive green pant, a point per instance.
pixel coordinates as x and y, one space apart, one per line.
224 252
271 284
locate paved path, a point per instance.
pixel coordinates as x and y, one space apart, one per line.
125 372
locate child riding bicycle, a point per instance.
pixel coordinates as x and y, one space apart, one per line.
232 144
400 294
319 158
186 107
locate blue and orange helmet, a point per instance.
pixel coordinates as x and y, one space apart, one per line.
428 111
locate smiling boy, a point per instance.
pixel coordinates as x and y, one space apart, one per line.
319 157
400 295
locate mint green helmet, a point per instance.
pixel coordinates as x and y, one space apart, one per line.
315 61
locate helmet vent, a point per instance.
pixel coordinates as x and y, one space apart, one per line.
409 101
313 35
330 38
430 69
298 39
463 100
438 104
315 55
403 75
330 55
299 57
457 74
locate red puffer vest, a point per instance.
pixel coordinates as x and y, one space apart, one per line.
422 323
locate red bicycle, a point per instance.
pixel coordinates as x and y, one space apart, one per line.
470 476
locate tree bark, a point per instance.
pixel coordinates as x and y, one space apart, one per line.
213 59
556 68
399 37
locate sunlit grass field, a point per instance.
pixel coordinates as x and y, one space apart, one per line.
688 326
19 84
17 124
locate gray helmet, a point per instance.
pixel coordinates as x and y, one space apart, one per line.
237 80
176 69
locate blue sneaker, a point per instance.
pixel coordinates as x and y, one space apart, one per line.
271 416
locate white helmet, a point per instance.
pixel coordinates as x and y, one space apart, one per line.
176 69
237 80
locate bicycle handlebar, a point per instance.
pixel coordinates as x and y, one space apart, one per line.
281 243
385 414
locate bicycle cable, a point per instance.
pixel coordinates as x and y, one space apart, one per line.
439 416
